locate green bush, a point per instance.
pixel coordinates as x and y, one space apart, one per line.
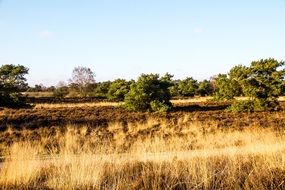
118 89
188 87
242 106
253 105
149 93
159 106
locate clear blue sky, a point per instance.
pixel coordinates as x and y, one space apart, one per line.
124 38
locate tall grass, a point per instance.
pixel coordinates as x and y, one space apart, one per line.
150 155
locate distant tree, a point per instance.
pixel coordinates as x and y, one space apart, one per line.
61 90
225 89
188 87
50 89
205 88
149 93
82 78
39 88
173 89
118 89
12 82
102 89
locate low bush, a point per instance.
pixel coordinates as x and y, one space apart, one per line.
149 93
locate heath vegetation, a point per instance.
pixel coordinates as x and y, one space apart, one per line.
156 154
149 133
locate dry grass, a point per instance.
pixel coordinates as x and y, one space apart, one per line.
191 100
205 99
104 104
150 155
73 105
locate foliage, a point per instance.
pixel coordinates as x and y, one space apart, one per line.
118 89
205 88
102 88
173 89
243 106
149 93
226 89
82 79
188 87
37 88
12 82
61 90
264 82
237 76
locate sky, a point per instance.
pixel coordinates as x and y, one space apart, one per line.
124 38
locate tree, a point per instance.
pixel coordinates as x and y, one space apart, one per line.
227 86
225 89
12 82
61 90
205 88
102 88
264 82
149 93
82 78
118 89
238 75
188 87
174 90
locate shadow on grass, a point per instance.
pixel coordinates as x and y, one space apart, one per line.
200 107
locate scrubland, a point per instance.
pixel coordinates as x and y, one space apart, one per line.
155 153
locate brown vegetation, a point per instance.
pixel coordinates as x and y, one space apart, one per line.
207 112
195 146
151 155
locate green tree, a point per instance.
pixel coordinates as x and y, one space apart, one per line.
205 88
174 90
118 89
102 88
264 82
225 88
238 75
12 82
188 87
149 93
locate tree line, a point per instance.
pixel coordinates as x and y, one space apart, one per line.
262 82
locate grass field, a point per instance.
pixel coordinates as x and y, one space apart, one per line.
153 155
107 147
175 102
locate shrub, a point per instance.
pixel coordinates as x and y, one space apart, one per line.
118 89
226 89
188 87
149 93
242 106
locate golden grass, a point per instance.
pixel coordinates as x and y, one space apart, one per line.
73 105
191 100
150 155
